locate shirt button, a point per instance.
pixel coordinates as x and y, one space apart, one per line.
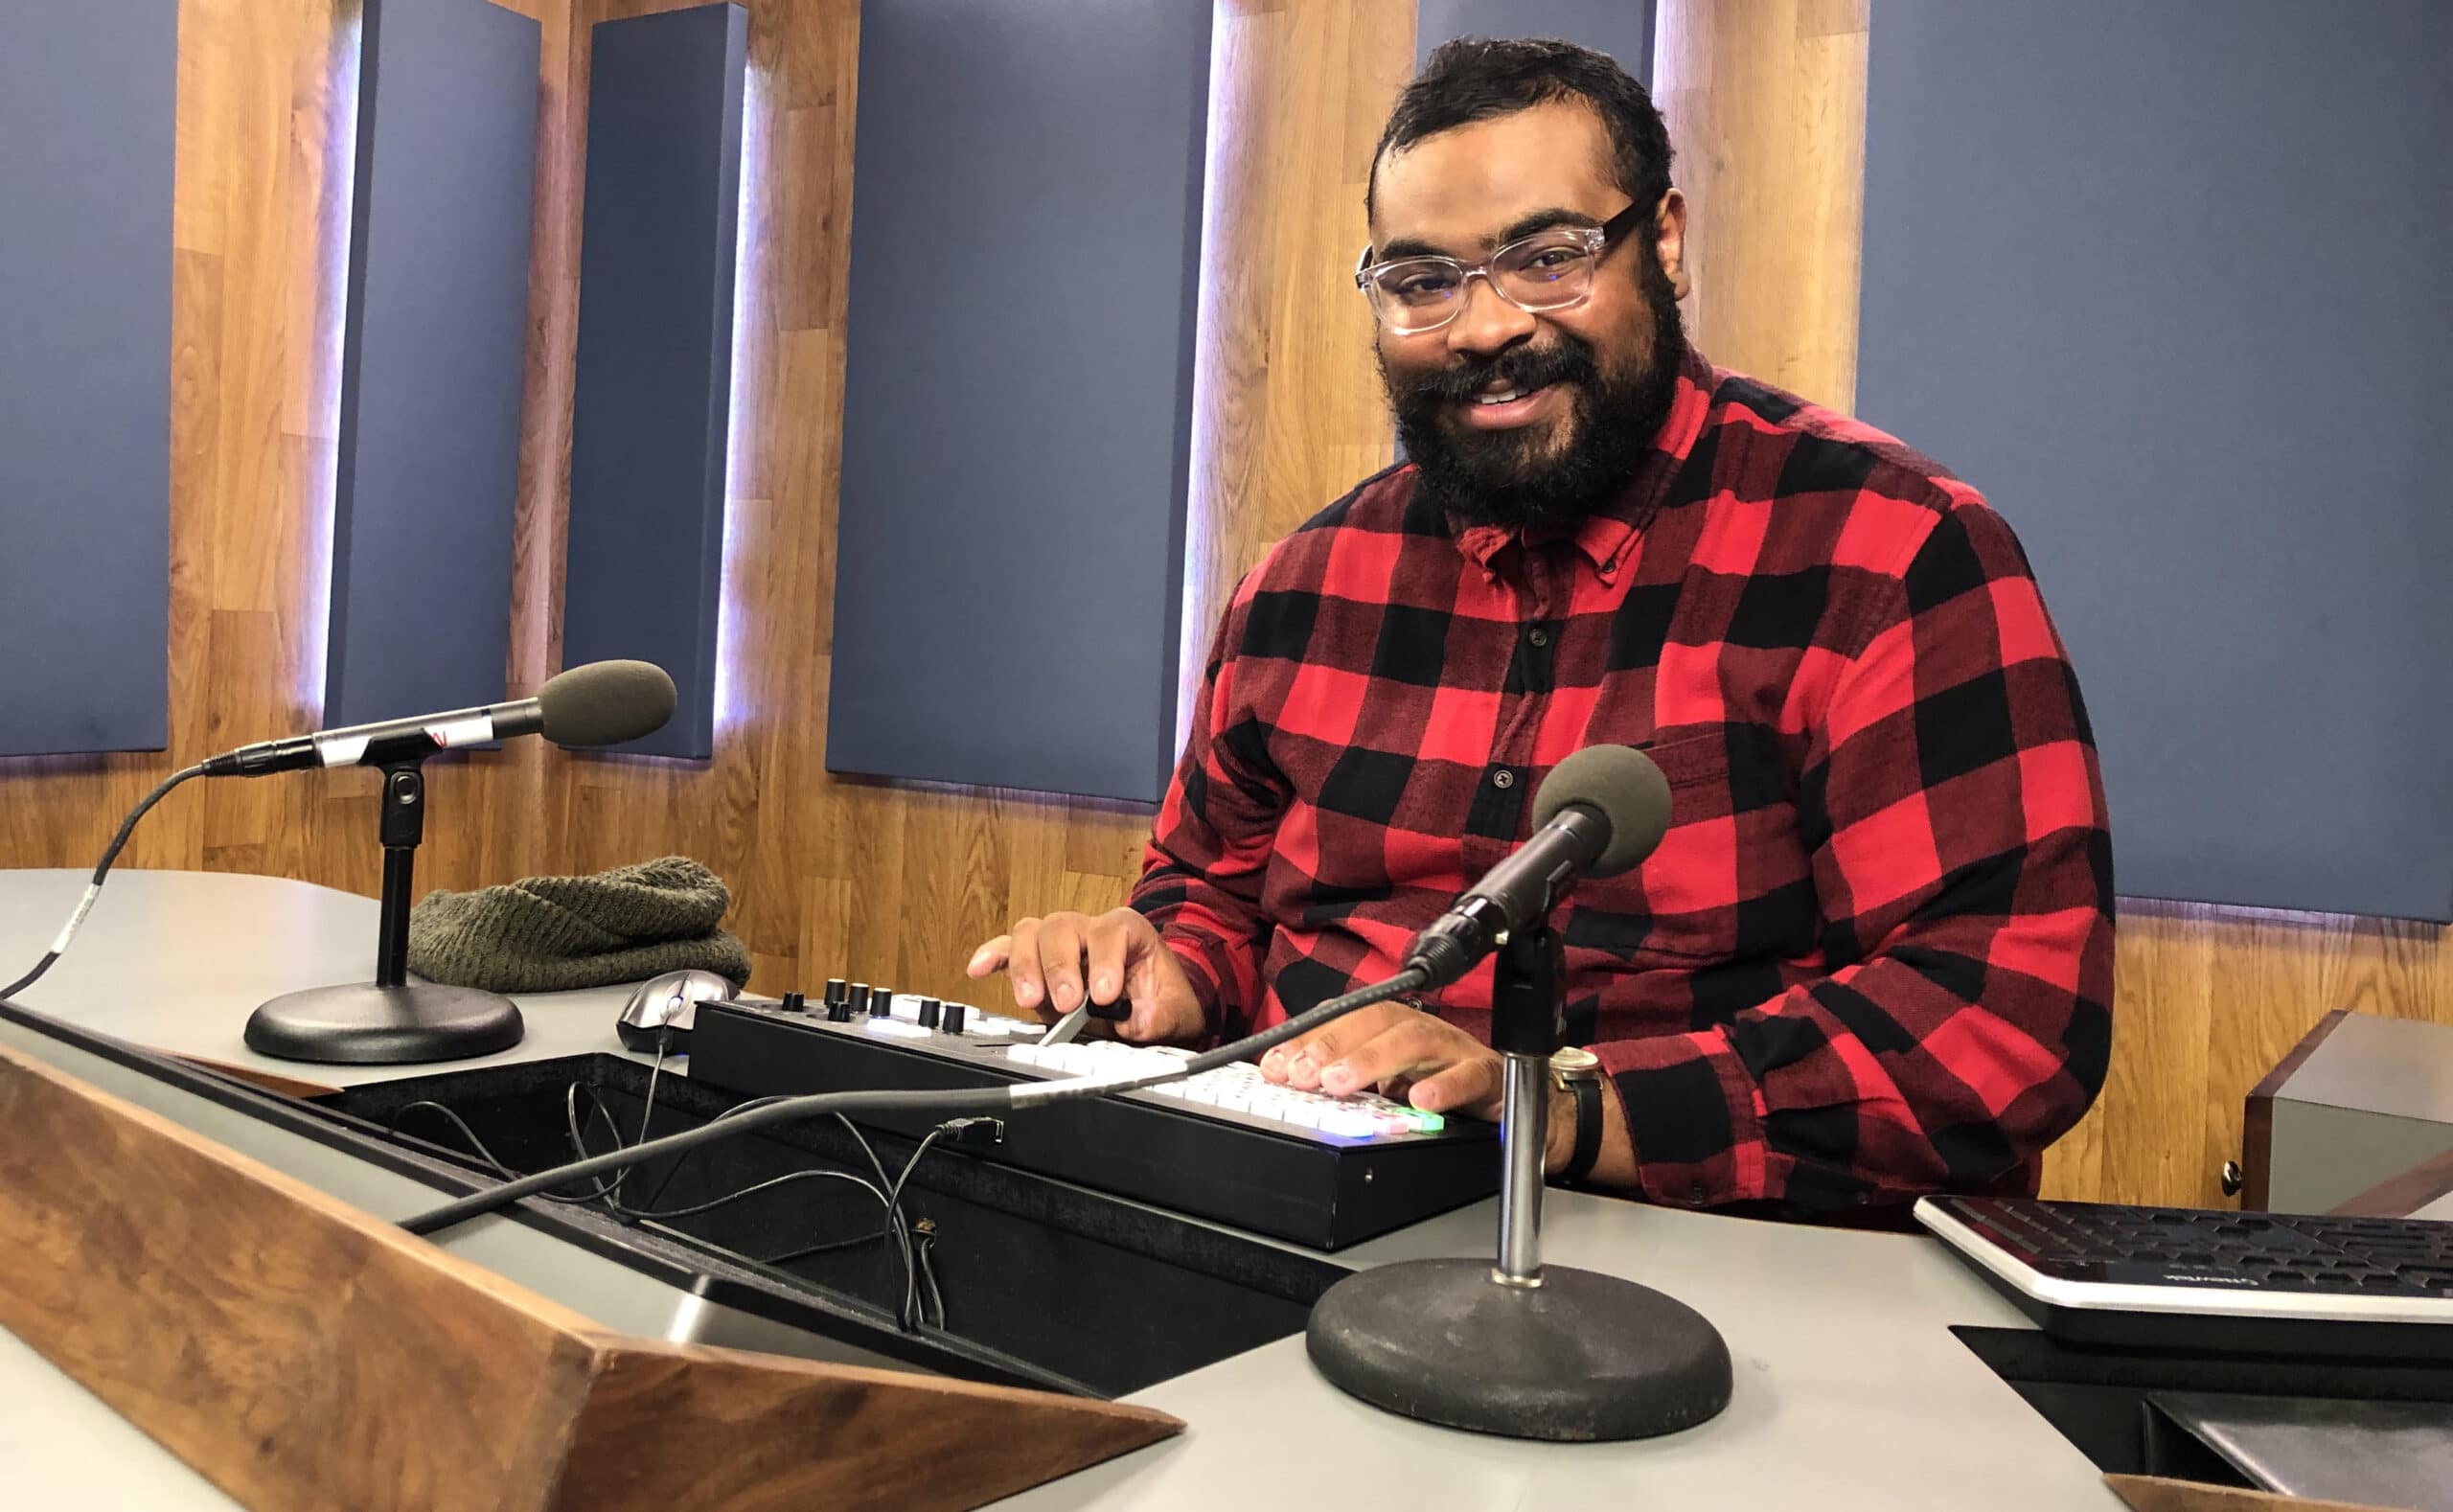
1540 638
1503 778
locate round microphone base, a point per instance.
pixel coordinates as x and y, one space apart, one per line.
1580 1358
363 1024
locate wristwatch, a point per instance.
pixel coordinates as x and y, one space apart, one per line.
1578 1071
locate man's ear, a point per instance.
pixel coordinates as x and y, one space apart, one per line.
1669 225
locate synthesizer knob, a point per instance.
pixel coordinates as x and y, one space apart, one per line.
951 1023
930 1010
794 1002
840 1013
881 1002
835 987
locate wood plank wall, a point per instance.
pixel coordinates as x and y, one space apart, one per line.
1766 99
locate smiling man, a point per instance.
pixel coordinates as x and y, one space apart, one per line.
1872 957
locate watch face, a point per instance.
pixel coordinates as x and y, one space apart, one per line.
1575 1059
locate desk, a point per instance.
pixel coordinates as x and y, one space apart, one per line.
1851 1394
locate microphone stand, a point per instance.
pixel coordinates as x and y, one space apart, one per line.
390 1020
1516 1348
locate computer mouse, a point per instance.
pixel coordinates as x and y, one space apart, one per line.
664 1008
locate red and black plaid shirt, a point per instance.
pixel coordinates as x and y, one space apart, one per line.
1873 955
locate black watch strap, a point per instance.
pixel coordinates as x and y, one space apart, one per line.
1587 1130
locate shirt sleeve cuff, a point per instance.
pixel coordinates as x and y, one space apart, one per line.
1196 953
1693 1115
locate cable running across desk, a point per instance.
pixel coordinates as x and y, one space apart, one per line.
921 1292
749 1117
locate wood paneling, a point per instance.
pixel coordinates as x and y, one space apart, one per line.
850 877
1766 104
1288 408
266 89
1766 101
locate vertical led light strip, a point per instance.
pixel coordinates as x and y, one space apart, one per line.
731 693
332 239
1195 619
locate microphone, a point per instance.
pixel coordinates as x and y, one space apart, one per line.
1598 813
602 703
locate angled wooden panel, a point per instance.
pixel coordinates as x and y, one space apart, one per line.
301 1354
644 567
433 354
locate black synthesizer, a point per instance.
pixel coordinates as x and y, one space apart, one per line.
1224 1145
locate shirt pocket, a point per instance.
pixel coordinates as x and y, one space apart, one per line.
1730 879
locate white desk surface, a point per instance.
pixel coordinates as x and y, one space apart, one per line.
1851 1394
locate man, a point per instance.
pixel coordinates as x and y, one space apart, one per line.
1872 958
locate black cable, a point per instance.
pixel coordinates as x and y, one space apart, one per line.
647 1121
829 1247
894 1215
752 1190
968 1100
928 1274
482 1152
648 1211
94 888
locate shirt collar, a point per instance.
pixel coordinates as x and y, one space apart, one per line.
1605 536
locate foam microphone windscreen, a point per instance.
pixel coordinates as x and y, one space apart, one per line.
1622 784
606 702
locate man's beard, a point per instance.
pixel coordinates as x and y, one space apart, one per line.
1514 477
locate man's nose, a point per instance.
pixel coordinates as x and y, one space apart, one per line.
1487 323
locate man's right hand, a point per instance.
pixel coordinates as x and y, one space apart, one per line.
1057 962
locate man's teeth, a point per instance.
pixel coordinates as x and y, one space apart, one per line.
1498 398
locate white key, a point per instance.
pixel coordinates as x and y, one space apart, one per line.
1353 1122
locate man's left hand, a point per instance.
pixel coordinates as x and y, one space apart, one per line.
1436 1066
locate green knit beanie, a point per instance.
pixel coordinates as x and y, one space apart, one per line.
548 934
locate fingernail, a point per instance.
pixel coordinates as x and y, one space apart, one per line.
1025 993
1105 989
1273 1064
1338 1079
1302 1064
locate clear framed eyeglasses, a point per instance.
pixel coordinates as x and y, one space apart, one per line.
1550 269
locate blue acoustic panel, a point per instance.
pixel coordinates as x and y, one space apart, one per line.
433 348
85 149
643 568
1017 414
1620 27
2170 283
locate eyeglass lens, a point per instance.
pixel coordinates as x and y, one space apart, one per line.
1538 273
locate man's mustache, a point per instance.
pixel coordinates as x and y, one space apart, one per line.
1566 360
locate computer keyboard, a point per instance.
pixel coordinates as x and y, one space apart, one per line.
2210 1280
1226 1145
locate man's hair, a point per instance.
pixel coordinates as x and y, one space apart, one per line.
1478 78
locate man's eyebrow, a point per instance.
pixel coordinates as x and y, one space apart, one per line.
1515 230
